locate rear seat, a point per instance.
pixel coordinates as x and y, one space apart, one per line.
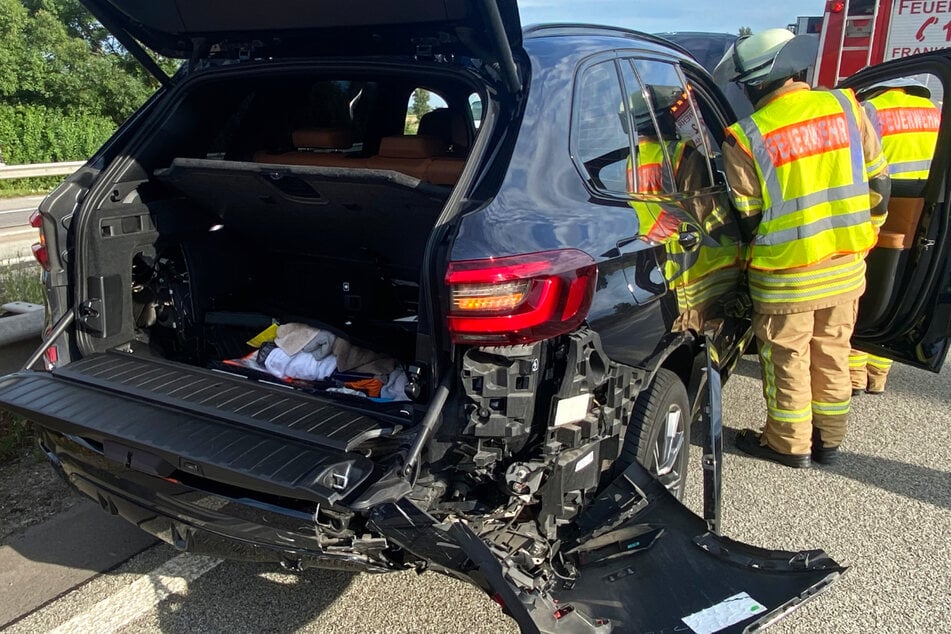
320 147
420 156
411 155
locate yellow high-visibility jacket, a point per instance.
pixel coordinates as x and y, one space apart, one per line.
908 126
815 198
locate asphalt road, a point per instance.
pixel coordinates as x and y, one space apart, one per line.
16 235
885 511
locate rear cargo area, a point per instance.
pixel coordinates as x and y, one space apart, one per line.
288 200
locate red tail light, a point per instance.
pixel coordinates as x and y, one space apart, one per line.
836 7
520 298
39 249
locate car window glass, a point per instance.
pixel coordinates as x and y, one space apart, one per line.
420 102
475 109
599 135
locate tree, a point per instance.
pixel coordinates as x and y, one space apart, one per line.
65 83
420 105
54 54
745 30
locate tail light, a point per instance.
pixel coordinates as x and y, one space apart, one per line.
40 251
836 7
521 298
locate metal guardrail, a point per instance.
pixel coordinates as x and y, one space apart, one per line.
39 169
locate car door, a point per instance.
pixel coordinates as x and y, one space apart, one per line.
905 313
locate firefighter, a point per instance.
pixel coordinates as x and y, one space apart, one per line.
807 175
907 122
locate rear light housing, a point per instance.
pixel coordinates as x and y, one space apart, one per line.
836 7
40 252
519 299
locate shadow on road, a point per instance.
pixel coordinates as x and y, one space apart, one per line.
249 597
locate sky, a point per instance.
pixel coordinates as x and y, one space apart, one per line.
653 16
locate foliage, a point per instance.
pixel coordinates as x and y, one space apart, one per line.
53 53
40 134
21 283
65 83
16 434
419 105
745 30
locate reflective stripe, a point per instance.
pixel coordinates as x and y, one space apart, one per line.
814 228
772 287
858 361
905 167
803 415
855 148
769 372
875 166
879 362
840 408
747 204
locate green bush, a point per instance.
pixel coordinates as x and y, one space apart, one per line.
21 282
37 134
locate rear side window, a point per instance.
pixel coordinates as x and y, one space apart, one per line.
421 101
637 131
599 138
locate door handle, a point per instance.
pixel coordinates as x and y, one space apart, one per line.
689 239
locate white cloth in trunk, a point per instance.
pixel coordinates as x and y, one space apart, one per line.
302 365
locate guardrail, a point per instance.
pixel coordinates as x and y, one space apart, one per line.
40 169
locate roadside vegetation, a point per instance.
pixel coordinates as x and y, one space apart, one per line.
65 86
17 283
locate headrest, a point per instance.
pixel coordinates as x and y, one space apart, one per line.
445 124
322 138
411 147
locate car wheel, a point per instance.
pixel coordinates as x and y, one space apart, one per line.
658 433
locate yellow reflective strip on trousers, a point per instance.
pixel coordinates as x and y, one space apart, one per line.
879 362
789 416
858 361
831 409
769 391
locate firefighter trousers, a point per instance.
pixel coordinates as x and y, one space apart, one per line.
868 371
805 363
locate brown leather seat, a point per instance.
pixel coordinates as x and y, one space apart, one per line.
411 155
320 147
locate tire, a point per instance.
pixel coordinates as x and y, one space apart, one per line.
647 439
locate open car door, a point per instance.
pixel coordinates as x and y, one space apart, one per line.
905 313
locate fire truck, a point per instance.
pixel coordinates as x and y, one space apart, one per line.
860 33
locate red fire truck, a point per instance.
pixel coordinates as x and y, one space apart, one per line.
860 33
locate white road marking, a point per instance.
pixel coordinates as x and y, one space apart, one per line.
17 211
17 232
134 601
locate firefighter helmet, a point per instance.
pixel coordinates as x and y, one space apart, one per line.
767 56
909 84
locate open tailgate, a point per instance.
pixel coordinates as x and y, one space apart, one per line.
161 418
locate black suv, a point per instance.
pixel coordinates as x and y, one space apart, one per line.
528 294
